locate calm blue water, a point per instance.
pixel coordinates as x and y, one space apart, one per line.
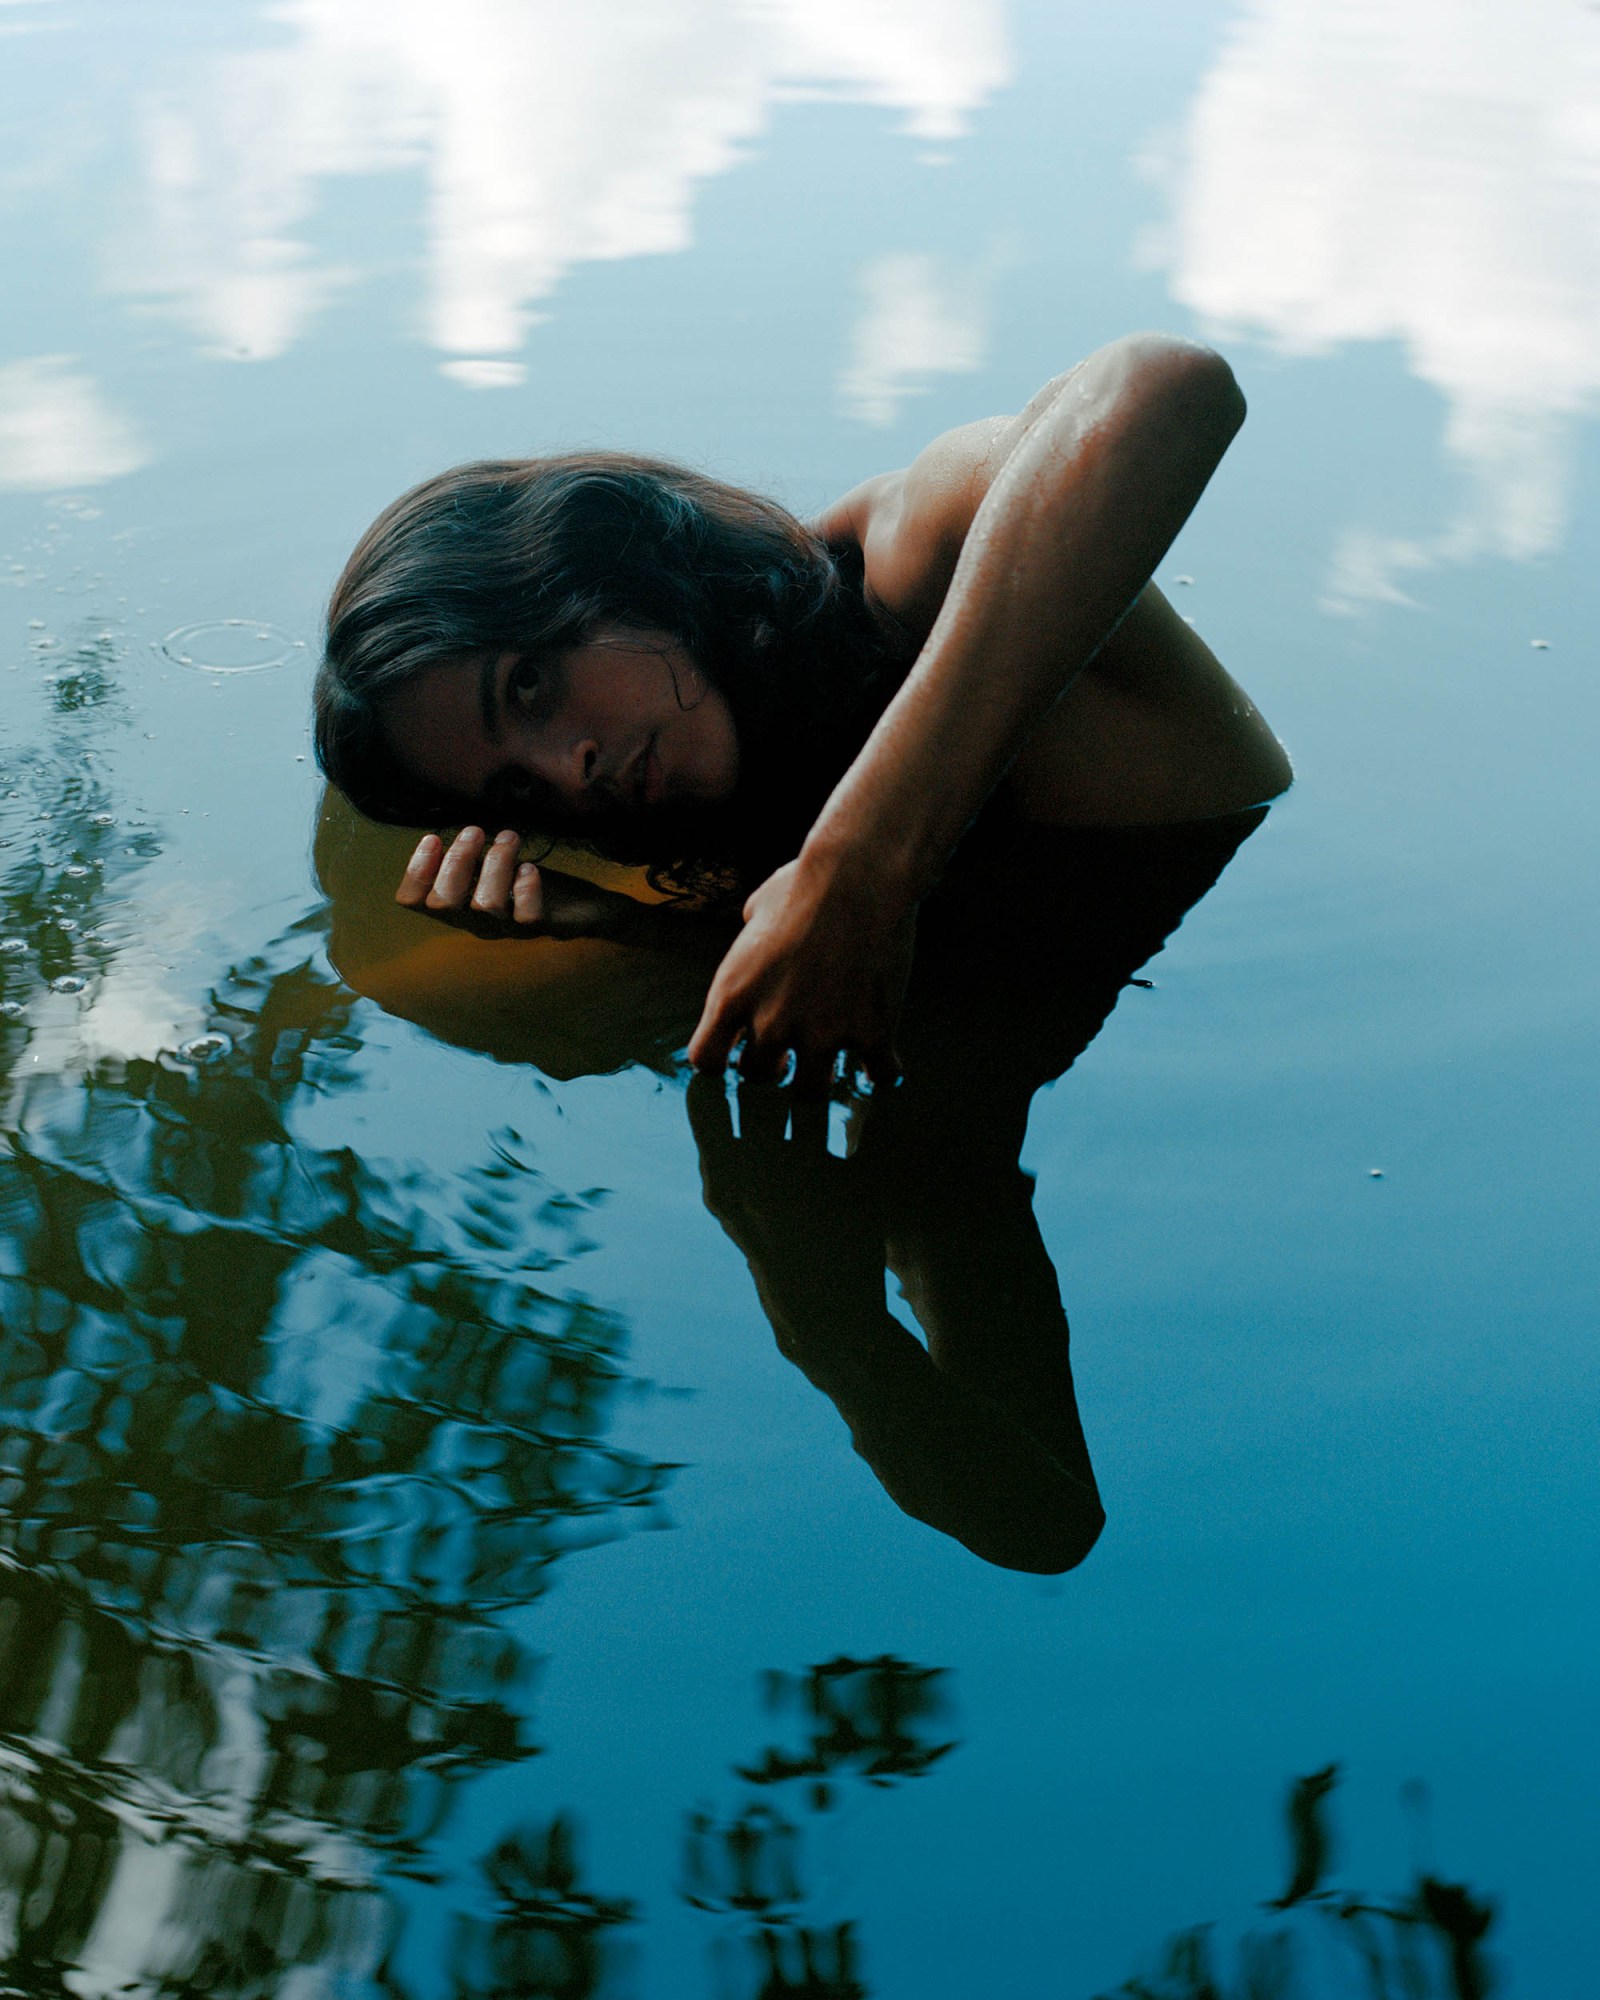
420 1571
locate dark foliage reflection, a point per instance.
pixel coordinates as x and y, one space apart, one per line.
1426 1943
282 1431
874 1723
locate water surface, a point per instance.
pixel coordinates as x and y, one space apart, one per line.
421 1568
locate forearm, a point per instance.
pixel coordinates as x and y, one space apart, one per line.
1084 507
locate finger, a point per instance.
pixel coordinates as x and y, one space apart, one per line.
761 1061
813 1074
880 1066
710 1114
420 871
808 1120
712 1041
453 883
763 1111
527 895
493 893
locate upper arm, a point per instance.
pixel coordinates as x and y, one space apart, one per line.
911 524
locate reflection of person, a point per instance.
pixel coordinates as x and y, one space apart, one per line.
680 673
977 1432
1022 951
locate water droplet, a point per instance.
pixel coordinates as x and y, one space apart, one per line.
102 819
75 869
66 923
1540 645
1183 579
205 1048
35 624
13 947
1374 1173
69 982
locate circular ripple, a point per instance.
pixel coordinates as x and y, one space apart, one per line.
229 646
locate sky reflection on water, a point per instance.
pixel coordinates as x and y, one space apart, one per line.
272 263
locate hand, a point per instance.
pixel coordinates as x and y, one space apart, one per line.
820 969
806 1222
488 889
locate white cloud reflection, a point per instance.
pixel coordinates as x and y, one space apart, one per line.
56 429
547 135
1408 170
919 318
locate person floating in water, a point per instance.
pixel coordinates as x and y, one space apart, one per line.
679 673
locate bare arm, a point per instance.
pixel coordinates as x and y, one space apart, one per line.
1036 543
1086 502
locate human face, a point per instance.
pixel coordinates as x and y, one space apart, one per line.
614 727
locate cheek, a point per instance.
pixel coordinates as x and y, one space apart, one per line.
718 746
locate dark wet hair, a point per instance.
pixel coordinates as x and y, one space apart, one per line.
535 555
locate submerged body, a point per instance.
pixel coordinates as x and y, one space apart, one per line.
1007 572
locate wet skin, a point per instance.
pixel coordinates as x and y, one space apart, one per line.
627 721
1015 555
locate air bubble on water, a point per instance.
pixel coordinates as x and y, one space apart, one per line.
1183 579
102 819
35 624
1540 645
12 1009
66 923
69 982
75 869
205 1048
13 947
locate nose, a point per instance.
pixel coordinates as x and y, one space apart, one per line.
571 768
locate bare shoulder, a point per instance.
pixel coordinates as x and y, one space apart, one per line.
910 524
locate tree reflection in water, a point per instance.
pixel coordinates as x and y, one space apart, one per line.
281 1432
872 1722
284 1431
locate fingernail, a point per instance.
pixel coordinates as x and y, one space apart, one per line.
525 871
507 837
422 848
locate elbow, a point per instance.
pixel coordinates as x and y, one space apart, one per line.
1049 1545
1071 1544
